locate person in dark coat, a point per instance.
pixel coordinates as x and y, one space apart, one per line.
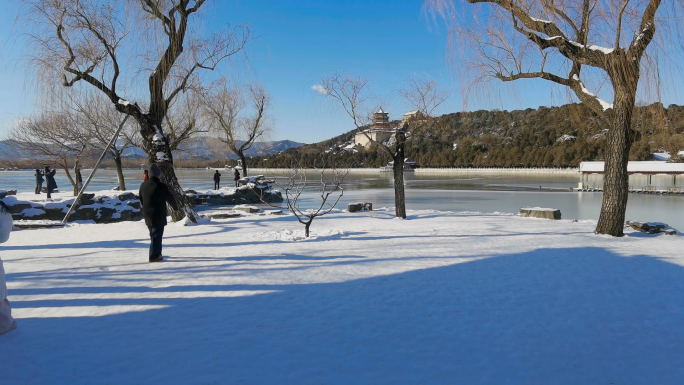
237 176
217 180
154 195
51 184
39 181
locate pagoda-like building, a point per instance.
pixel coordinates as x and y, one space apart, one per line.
380 130
380 120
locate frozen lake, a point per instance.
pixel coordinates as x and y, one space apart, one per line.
447 192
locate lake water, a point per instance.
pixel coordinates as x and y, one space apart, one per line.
446 192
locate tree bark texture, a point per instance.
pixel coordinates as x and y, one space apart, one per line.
74 182
243 159
398 169
157 147
624 76
119 172
306 229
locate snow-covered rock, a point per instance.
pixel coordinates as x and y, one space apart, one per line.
652 227
540 212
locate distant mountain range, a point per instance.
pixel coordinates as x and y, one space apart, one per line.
207 148
203 148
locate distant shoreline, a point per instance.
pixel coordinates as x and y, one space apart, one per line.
491 171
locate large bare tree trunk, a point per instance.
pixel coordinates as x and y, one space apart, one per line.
119 172
398 168
75 180
244 164
157 147
625 77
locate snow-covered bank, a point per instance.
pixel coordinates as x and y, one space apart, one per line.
440 298
117 206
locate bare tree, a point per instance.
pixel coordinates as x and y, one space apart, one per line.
101 120
82 41
328 186
350 93
570 43
239 129
53 138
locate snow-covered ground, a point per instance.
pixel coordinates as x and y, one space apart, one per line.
440 298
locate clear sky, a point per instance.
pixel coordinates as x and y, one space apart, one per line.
300 42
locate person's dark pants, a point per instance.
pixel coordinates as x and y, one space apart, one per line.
39 186
50 190
216 185
236 182
156 233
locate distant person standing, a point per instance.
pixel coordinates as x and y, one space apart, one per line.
7 323
39 181
79 178
154 195
217 180
237 176
146 175
51 184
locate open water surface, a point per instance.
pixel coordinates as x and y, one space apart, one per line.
445 192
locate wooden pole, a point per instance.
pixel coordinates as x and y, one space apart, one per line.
78 197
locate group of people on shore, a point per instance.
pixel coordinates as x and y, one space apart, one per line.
42 176
217 178
49 176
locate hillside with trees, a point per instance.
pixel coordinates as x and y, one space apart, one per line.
544 137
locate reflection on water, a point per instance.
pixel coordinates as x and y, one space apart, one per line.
487 193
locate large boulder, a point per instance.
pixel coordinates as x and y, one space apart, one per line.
4 193
221 214
540 212
19 207
247 209
359 206
83 214
126 196
87 199
106 215
652 227
54 214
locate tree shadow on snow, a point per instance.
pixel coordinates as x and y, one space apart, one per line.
549 316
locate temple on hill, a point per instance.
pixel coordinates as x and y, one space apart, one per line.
380 120
380 130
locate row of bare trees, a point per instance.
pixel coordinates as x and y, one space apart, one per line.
82 125
70 132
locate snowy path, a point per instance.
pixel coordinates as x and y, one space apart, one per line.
437 299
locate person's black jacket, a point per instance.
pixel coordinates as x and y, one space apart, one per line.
153 196
50 176
237 174
39 177
217 177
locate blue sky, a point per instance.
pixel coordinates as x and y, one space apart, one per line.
300 42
